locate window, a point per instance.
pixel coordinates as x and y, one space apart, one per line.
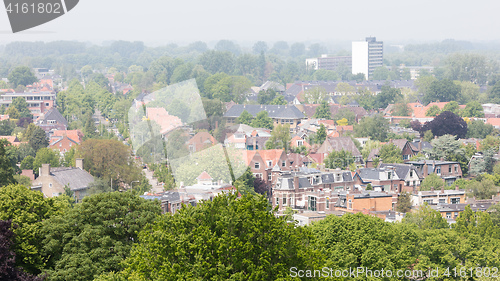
270 177
428 201
283 164
448 215
442 201
292 201
257 165
50 185
258 175
312 203
327 203
438 170
269 163
455 200
388 175
55 194
284 201
449 169
411 173
277 201
456 169
300 142
350 204
456 214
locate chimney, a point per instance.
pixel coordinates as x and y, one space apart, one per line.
45 170
426 170
296 183
442 189
79 163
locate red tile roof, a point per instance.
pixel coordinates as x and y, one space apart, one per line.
204 176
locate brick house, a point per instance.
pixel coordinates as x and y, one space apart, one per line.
366 200
449 171
200 141
309 189
443 196
264 163
62 144
382 179
407 173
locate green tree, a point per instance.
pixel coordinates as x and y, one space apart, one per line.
321 134
383 73
387 96
97 234
469 92
483 189
339 159
315 95
442 90
428 136
280 138
28 209
490 142
404 202
325 75
241 238
6 169
478 129
375 127
390 153
345 113
426 218
473 109
453 107
265 97
432 180
262 120
244 118
433 111
22 107
424 82
38 139
21 75
402 109
357 240
109 159
6 127
478 223
366 99
45 156
13 112
27 163
279 100
323 111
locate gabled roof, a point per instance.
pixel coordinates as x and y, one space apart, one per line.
75 178
54 114
204 176
75 135
401 169
274 111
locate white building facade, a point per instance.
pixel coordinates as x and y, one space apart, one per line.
367 56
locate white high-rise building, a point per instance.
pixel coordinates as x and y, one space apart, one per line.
367 56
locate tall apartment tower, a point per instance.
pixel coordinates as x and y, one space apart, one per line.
367 56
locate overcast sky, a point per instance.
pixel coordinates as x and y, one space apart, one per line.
161 22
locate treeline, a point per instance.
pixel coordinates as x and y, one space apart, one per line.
119 236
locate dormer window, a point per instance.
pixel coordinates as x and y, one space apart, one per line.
269 163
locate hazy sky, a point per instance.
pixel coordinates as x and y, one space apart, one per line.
161 22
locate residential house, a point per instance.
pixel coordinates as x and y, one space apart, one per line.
407 173
451 211
364 201
13 140
297 141
63 144
200 141
53 181
443 196
264 163
52 120
309 189
381 179
280 114
339 144
449 171
75 135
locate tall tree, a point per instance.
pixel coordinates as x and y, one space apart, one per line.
262 120
390 153
339 159
323 111
321 134
22 107
447 123
21 75
375 127
442 90
96 234
280 138
473 109
404 202
6 169
244 118
239 237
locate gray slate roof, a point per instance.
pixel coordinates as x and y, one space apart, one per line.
274 111
75 178
54 114
400 169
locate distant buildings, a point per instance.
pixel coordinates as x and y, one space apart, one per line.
329 63
367 56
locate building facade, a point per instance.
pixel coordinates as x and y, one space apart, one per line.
367 56
329 63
